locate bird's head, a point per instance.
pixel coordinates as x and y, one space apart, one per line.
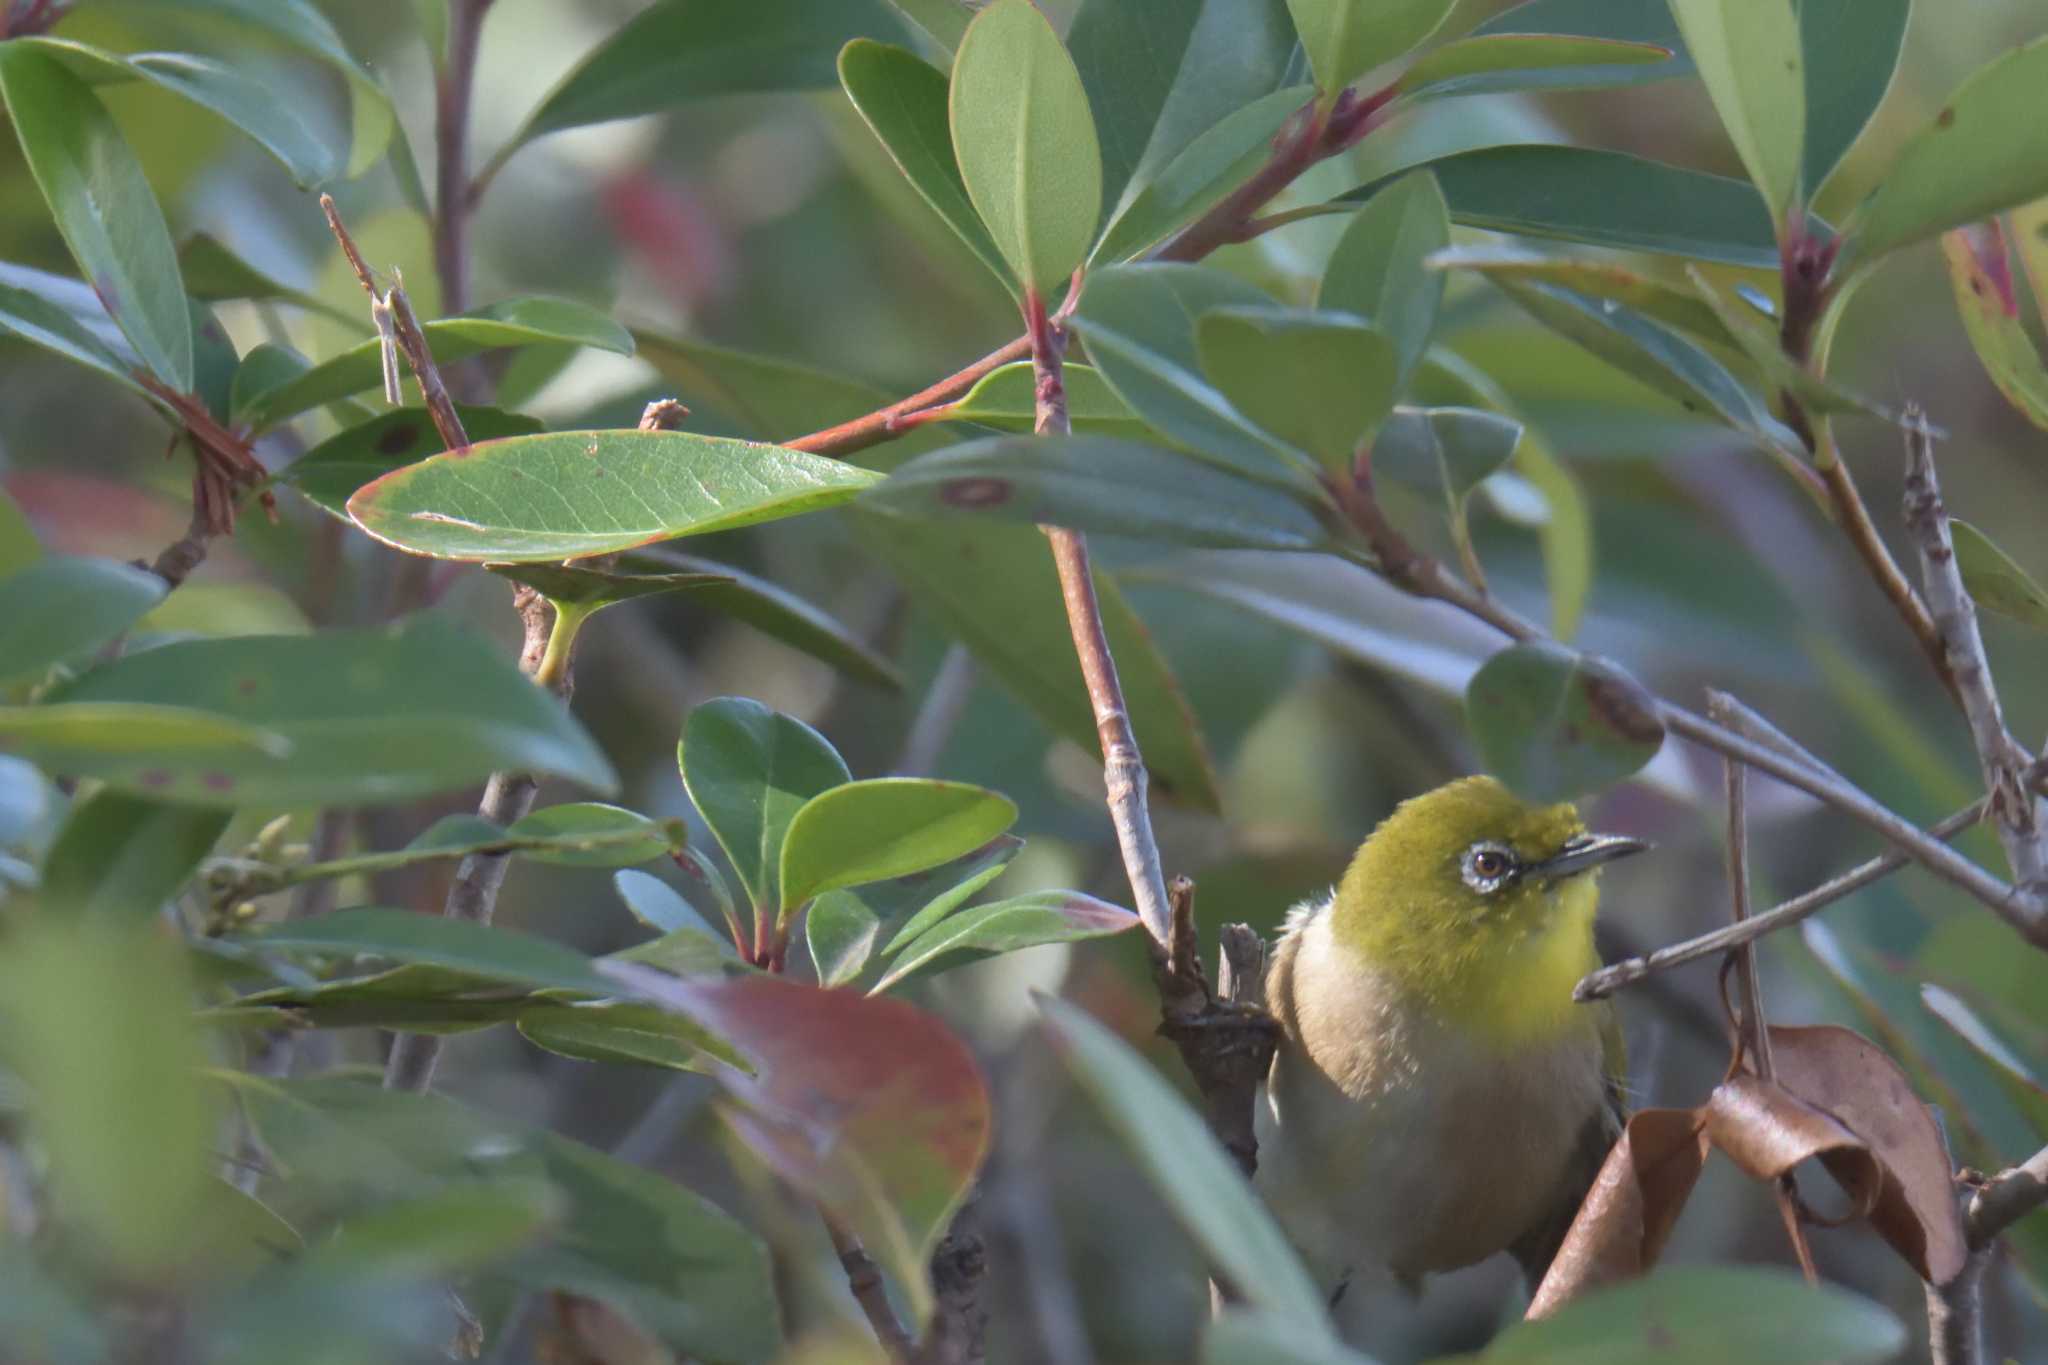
1472 895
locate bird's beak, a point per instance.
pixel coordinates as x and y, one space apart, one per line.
1585 853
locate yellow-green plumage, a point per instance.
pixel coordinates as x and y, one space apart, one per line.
1437 1096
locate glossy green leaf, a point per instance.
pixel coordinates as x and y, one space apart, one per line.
252 104
113 740
1702 1314
1986 150
749 770
363 715
1006 926
1980 271
885 827
405 936
954 883
873 1108
1215 162
1748 55
1245 1336
1993 1037
415 998
301 24
1321 381
36 317
619 837
1162 73
1995 581
774 611
1851 50
902 97
558 495
64 607
1139 323
1200 1184
1493 63
1620 21
120 856
840 932
213 273
677 51
331 472
18 545
1449 449
1025 143
764 397
98 1027
1598 279
1345 39
267 366
1099 483
1007 398
1580 194
1656 355
661 907
103 206
1780 372
215 364
617 1032
514 322
1376 269
995 589
1555 724
589 590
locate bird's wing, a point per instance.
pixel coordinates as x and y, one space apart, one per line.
1537 1247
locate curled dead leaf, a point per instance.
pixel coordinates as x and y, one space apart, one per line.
1627 1216
1768 1131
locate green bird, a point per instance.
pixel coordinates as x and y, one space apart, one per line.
1437 1096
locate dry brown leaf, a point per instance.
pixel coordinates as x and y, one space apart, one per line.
1627 1216
1768 1131
1843 1073
590 1332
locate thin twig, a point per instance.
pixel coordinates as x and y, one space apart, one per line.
2021 831
2005 1199
864 1278
452 86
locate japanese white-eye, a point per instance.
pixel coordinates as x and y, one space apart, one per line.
1437 1096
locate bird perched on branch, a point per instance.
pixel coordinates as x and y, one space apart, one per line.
1437 1096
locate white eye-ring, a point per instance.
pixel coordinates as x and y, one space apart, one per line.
1488 866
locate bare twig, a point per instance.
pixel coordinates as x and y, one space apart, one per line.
412 342
188 552
452 85
958 1334
864 1278
2005 1199
2014 816
1955 1310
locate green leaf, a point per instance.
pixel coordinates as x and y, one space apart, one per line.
1992 1035
338 718
513 322
559 495
1245 1336
1024 922
776 612
1780 371
1654 299
677 51
873 1108
1995 580
40 316
1656 355
840 932
331 472
764 397
1621 21
1162 73
1098 483
943 21
119 856
1007 397
98 1027
1186 1167
885 827
256 107
301 24
660 907
214 273
619 837
994 588
1980 271
18 545
1221 157
591 590
1345 39
903 98
103 206
1495 63
1749 58
409 937
749 770
462 1226
215 365
625 1033
1699 1314
1449 449
1025 142
414 998
1320 381
1603 198
960 879
1139 323
1555 724
267 366
1986 150
112 739
66 606
1851 50
1376 269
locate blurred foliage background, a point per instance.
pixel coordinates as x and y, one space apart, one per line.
776 225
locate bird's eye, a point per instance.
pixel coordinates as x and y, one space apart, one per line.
1488 867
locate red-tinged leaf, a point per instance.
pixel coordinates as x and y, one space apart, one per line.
1980 270
1629 1213
871 1106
